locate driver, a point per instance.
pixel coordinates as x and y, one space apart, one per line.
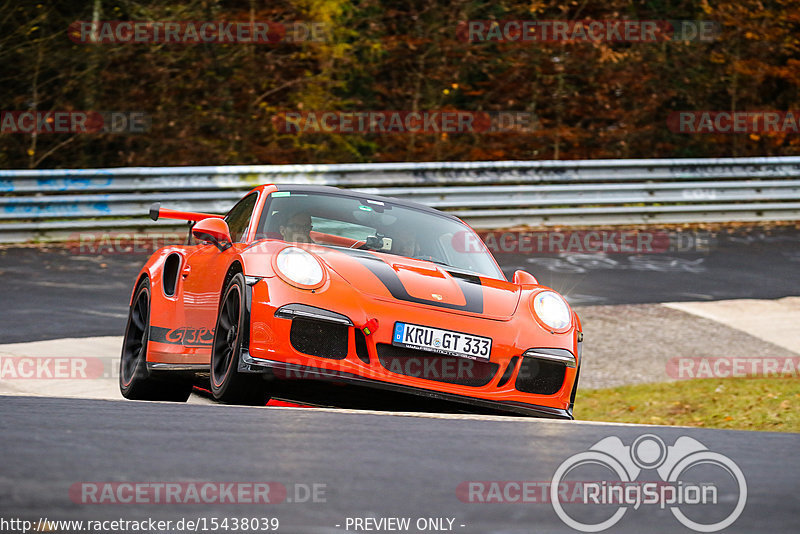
297 228
405 243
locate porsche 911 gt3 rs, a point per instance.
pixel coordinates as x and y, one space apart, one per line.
305 282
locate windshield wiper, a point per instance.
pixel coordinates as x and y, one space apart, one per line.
449 267
428 258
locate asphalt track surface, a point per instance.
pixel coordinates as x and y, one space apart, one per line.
53 293
371 465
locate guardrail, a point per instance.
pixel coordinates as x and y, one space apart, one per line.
52 204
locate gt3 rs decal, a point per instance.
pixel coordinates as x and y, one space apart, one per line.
184 335
470 285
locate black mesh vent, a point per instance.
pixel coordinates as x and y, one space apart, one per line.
436 367
361 346
318 338
171 265
540 377
512 364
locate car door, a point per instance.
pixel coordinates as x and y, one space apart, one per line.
205 269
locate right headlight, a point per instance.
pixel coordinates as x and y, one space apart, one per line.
552 310
299 267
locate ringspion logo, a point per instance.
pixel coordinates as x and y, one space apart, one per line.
696 502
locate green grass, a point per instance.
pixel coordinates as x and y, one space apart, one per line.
771 404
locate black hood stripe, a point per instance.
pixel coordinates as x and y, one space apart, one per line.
470 285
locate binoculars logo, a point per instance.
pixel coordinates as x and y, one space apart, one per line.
677 467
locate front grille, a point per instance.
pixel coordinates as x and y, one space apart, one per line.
318 338
540 377
436 367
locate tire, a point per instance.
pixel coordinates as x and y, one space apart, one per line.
136 382
228 385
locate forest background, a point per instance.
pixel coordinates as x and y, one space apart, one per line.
215 104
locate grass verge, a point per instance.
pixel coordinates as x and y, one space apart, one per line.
770 404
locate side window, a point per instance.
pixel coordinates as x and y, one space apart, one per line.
238 218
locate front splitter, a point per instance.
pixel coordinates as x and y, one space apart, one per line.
250 364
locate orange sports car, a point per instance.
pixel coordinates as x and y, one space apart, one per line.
298 286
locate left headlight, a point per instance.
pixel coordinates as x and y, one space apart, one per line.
552 310
299 266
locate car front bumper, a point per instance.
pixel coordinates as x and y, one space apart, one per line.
273 310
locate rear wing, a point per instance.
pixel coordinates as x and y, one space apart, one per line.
157 211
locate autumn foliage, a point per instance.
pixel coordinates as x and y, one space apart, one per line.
215 103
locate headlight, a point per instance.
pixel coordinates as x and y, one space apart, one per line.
299 266
552 310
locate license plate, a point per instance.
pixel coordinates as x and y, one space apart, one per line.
440 341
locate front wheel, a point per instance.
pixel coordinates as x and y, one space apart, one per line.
228 385
135 380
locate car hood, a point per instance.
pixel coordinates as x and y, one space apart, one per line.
421 282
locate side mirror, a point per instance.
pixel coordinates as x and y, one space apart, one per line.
214 230
524 277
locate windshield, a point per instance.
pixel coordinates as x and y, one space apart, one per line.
357 223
